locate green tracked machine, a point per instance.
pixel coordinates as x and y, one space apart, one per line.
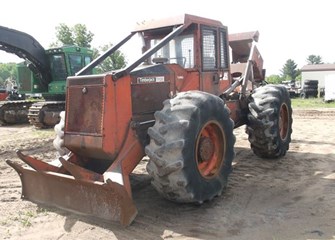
41 78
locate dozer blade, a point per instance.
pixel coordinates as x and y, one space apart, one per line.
108 201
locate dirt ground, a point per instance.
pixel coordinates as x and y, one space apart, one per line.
290 198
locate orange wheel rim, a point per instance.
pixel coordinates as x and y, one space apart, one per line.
283 121
210 149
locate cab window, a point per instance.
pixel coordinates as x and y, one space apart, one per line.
58 67
209 46
75 63
179 50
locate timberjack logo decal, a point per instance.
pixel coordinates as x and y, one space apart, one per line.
150 79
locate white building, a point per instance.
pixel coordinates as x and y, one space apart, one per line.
317 72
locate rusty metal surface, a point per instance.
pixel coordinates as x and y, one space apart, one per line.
241 45
98 116
109 201
79 172
35 163
3 94
88 146
85 80
237 113
244 36
148 98
258 64
87 101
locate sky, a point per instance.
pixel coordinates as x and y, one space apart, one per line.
289 29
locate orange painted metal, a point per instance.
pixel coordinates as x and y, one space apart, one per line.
36 164
235 112
97 132
184 80
80 173
107 117
3 96
283 121
210 149
109 201
75 185
130 155
241 44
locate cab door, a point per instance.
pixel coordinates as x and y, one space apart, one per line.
214 60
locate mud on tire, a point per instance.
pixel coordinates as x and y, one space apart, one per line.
191 147
270 121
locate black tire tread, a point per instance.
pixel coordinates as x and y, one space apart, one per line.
167 165
262 127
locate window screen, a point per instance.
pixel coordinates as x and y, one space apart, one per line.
223 50
208 49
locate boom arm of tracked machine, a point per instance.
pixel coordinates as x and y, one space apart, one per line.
27 47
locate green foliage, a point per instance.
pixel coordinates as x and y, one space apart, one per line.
274 79
82 37
115 61
289 70
96 53
25 217
76 35
7 70
298 78
314 59
64 34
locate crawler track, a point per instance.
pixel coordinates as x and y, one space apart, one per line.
45 114
14 112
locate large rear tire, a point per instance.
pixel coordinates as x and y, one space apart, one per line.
191 147
270 121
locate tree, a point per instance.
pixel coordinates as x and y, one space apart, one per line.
7 70
274 79
289 70
115 61
80 36
314 59
77 35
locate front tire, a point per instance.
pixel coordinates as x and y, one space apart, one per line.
191 147
270 121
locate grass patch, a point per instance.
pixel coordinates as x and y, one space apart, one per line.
26 217
311 103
